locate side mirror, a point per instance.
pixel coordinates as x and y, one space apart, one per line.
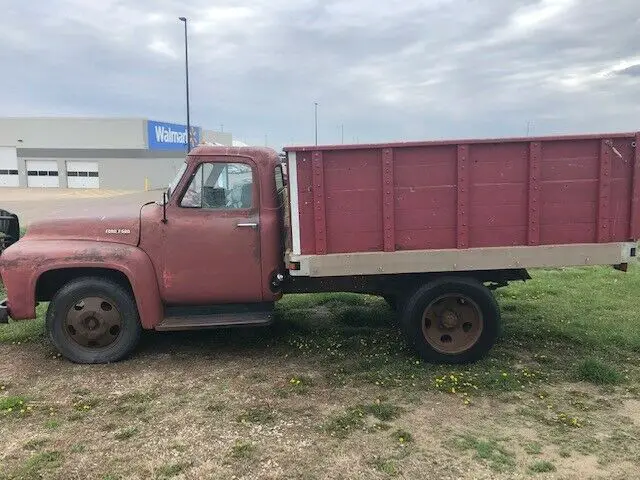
165 197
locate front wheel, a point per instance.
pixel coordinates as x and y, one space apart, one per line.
454 320
93 320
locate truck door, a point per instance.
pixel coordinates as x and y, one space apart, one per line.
212 238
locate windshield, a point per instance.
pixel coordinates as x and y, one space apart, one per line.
176 179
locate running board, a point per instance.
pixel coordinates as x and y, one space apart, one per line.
195 318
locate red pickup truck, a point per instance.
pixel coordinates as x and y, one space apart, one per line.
431 226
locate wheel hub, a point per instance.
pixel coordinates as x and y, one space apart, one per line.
452 323
449 319
93 322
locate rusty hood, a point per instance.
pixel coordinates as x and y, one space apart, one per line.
116 223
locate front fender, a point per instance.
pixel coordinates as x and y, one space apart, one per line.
24 262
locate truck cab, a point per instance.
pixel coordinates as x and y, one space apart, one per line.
218 238
209 254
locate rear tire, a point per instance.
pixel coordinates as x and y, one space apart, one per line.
452 320
93 320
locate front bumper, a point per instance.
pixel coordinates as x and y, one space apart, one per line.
4 311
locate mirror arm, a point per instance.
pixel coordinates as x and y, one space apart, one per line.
164 207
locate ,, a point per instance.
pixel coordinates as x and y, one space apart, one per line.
433 227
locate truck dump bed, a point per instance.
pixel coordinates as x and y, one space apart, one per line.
482 197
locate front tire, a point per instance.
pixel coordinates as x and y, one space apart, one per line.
93 320
452 320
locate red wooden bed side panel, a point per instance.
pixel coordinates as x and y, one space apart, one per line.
569 191
425 197
542 191
499 174
305 203
622 178
353 196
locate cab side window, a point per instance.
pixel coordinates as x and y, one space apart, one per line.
225 186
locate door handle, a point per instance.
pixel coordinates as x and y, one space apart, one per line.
249 225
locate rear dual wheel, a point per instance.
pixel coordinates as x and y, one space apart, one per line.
455 320
93 320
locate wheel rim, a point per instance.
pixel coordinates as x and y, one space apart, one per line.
93 322
452 323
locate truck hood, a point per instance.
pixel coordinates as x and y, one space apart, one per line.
107 223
